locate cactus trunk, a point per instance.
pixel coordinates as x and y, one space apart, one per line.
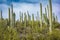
50 16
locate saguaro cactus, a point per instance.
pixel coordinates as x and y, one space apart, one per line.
1 15
50 16
9 15
13 19
37 19
45 12
25 19
48 11
40 15
32 20
20 17
56 19
29 18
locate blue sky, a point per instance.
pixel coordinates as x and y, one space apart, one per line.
28 5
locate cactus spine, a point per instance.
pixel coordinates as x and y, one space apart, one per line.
50 16
40 15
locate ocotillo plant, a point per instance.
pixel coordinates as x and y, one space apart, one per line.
9 16
40 15
13 19
50 16
25 19
1 15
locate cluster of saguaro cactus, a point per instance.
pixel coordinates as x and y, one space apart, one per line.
11 17
48 19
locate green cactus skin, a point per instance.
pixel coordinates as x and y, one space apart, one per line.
40 15
9 15
50 16
1 15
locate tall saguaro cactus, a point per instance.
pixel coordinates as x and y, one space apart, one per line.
20 17
9 15
50 15
32 20
45 12
25 19
37 19
48 11
29 18
40 15
14 19
56 19
1 15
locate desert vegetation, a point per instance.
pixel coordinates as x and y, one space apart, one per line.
45 27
